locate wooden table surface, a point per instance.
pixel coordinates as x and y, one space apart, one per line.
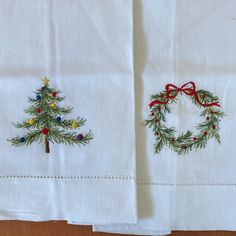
20 228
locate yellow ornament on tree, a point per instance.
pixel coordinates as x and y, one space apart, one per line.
53 105
31 121
74 125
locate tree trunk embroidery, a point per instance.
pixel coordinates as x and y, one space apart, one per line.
47 149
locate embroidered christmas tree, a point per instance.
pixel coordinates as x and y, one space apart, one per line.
47 122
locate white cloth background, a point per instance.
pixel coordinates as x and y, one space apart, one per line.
176 42
85 48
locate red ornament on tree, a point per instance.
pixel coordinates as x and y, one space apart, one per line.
213 126
158 108
194 139
205 133
54 94
203 95
38 110
44 131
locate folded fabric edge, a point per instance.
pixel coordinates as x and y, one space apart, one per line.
123 229
89 200
200 206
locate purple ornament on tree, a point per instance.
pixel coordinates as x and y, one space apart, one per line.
80 137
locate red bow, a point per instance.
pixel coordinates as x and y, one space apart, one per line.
188 88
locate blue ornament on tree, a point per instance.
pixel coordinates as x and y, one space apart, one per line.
22 140
38 97
58 119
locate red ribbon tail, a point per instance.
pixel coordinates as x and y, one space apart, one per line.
152 104
207 104
157 102
217 104
211 104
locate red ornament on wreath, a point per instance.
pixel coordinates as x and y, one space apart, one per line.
187 141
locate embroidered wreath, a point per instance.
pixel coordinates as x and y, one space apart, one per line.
188 141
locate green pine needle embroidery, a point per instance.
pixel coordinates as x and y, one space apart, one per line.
185 142
46 123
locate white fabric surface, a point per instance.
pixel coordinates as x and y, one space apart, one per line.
85 48
176 42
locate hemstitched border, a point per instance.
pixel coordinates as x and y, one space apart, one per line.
139 182
67 177
168 184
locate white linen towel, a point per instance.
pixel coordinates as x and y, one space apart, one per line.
85 49
178 42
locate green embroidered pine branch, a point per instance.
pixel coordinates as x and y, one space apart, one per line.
70 138
187 141
46 124
40 121
30 137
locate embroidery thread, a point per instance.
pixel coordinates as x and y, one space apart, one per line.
182 144
47 123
